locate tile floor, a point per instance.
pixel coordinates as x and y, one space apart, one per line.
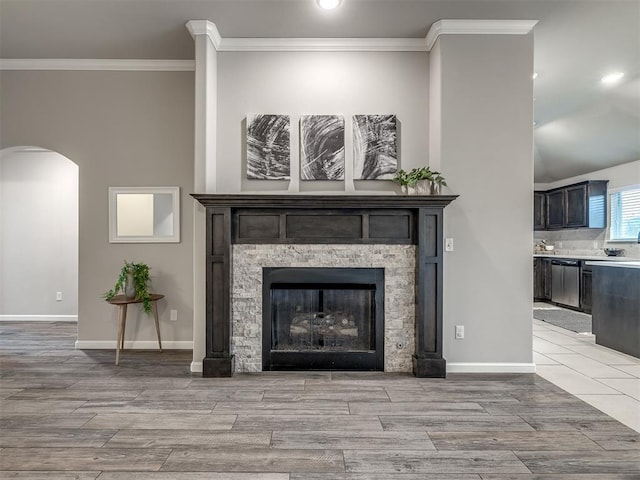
604 378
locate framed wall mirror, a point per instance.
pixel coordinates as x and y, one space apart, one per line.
144 214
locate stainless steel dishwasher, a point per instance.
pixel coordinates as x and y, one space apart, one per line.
565 282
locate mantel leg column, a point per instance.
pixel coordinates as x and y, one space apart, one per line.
427 360
219 361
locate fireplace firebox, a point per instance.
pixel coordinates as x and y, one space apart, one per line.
323 319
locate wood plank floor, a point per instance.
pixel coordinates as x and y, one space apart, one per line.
69 414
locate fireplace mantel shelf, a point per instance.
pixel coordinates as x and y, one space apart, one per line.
322 201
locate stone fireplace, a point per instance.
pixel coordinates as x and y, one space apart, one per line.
397 292
279 296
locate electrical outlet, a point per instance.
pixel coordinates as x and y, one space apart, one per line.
173 315
448 245
58 296
459 332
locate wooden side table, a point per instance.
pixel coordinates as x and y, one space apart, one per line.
122 302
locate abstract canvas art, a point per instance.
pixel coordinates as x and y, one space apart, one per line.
375 153
322 147
268 149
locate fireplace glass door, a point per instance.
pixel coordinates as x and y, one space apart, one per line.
323 318
313 318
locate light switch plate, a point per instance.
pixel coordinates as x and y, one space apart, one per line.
448 244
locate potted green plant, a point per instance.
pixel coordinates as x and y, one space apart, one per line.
437 182
133 281
402 178
421 180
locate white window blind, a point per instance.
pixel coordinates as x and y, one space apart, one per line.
625 214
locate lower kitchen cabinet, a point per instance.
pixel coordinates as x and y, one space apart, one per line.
541 279
543 284
585 290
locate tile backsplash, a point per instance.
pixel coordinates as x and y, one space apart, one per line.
584 241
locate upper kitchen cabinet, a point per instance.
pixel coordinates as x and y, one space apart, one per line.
555 209
581 205
539 206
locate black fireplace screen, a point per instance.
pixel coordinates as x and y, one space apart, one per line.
323 318
311 318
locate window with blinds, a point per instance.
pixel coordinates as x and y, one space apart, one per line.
625 214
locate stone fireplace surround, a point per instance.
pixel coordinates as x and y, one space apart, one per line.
246 232
398 262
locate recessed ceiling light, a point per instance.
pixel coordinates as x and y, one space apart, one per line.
612 78
328 4
535 75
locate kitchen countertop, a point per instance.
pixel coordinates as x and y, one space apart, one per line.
585 257
629 264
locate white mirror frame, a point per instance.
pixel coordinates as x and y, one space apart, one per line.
113 215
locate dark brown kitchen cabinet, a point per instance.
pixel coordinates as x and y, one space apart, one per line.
585 291
581 205
539 214
576 207
555 209
541 279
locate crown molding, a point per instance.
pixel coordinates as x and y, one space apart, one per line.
478 27
205 27
323 45
97 64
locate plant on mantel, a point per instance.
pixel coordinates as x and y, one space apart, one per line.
133 277
410 179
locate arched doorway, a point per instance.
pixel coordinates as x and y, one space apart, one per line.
39 235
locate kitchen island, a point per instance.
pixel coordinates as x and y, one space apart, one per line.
616 305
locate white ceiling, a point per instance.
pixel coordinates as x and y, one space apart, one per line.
581 126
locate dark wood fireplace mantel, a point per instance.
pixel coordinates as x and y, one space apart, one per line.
325 219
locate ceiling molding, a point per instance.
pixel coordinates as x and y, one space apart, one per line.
205 27
323 45
97 64
478 27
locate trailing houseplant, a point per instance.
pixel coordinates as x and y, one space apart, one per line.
133 281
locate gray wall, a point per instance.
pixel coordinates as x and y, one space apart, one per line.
122 129
39 235
486 154
299 83
137 129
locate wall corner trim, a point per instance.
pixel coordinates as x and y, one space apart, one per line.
196 367
477 27
459 367
97 64
205 27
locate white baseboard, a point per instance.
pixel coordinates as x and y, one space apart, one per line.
196 367
133 345
38 318
459 367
